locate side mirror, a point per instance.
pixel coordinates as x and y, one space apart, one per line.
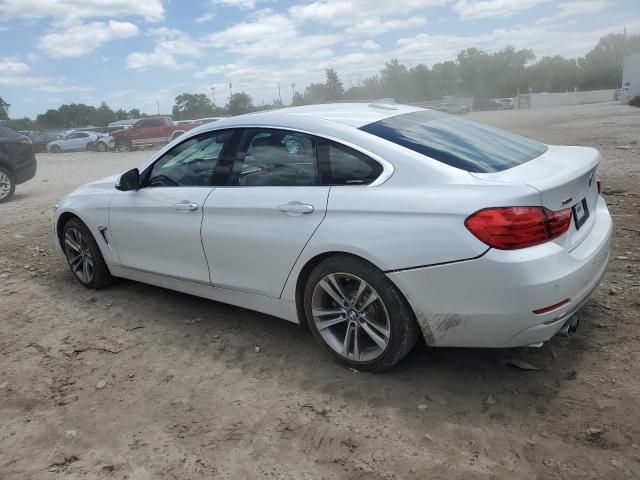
129 180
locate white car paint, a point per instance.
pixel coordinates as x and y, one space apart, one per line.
238 246
75 141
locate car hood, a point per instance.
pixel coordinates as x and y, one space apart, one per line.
102 185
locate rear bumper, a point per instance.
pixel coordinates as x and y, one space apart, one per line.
489 301
26 171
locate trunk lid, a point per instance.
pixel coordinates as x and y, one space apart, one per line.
564 176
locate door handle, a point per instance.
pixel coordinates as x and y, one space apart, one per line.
188 206
295 208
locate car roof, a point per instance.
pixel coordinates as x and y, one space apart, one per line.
354 114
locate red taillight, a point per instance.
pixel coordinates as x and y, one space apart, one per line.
599 184
510 228
550 308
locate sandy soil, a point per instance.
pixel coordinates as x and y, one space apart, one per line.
138 382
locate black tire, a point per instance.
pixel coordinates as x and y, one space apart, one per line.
102 147
7 179
56 149
403 328
123 145
101 277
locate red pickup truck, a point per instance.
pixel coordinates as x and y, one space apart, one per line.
148 132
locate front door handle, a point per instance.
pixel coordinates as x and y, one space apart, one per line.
188 206
295 208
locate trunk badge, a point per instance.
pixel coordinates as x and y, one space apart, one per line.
590 179
568 200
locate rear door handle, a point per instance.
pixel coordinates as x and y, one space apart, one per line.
295 208
188 206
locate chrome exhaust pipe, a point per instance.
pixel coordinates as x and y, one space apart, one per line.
569 327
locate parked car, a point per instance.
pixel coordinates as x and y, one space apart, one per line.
105 141
40 140
148 132
504 103
17 161
370 223
74 142
452 108
481 104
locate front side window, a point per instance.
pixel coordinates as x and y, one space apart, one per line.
276 158
189 164
457 142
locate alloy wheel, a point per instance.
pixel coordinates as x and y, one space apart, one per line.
5 185
351 317
79 255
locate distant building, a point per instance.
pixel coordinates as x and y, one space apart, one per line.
630 77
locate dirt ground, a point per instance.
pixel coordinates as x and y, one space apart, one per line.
142 383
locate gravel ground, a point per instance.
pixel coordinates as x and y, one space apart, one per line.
138 382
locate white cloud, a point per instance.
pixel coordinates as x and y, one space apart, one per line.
476 9
14 73
374 26
246 4
80 39
272 35
170 42
207 17
150 10
582 7
349 12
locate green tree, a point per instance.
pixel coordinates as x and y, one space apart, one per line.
333 85
240 103
192 106
4 109
24 123
102 116
134 113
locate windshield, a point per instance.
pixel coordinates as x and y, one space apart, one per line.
456 141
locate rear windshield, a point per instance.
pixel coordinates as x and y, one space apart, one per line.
8 133
456 141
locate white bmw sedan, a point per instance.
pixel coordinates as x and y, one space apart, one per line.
372 224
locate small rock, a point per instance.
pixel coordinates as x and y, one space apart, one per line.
3 385
131 375
612 291
71 433
108 468
257 349
428 437
18 236
423 406
215 337
108 305
594 433
67 399
623 147
27 266
101 384
622 257
4 275
490 400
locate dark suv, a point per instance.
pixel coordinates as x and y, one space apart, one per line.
17 162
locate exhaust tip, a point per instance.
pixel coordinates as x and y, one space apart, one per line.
569 327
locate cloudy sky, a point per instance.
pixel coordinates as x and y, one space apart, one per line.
132 53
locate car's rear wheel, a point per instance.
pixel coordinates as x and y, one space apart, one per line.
102 147
83 255
7 184
123 146
358 315
55 149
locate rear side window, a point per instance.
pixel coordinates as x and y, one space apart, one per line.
342 165
456 141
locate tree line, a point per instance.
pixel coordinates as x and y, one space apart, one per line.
473 73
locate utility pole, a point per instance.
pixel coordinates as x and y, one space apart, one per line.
279 96
213 95
158 105
230 92
293 91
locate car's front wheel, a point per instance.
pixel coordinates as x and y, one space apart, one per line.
358 315
7 184
83 255
102 147
55 149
